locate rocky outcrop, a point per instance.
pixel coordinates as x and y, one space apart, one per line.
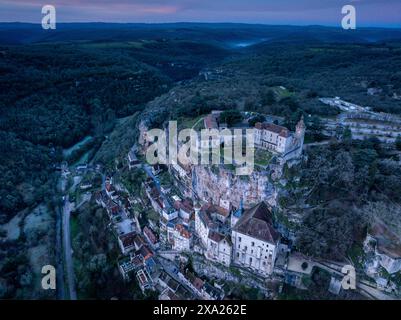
217 184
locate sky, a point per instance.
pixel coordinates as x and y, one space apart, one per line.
385 13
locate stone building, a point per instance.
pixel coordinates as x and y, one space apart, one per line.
219 248
182 238
203 225
278 139
255 241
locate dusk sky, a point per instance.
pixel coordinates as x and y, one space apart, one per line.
296 12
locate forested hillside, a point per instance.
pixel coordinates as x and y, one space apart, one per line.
54 95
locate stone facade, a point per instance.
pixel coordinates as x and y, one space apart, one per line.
203 225
255 241
182 238
279 139
219 248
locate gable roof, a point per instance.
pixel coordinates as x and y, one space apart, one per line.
282 131
257 222
149 233
215 236
145 252
211 208
183 231
128 239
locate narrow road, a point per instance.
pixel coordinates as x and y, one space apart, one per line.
68 250
59 243
313 144
59 255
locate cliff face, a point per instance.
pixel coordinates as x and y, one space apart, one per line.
218 184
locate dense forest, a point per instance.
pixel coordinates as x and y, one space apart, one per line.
343 70
54 95
339 184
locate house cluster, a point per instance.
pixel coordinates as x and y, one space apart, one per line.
185 285
172 289
139 248
176 217
221 233
201 288
137 252
245 238
211 74
139 260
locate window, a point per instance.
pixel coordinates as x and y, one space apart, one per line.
253 244
237 254
239 239
239 246
250 260
251 251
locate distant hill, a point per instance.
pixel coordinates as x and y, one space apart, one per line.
224 33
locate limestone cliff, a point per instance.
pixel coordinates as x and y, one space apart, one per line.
219 184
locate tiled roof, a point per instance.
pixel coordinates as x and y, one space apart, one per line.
139 241
211 208
282 131
215 236
257 223
137 261
195 281
185 205
183 231
204 216
145 252
128 239
149 233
